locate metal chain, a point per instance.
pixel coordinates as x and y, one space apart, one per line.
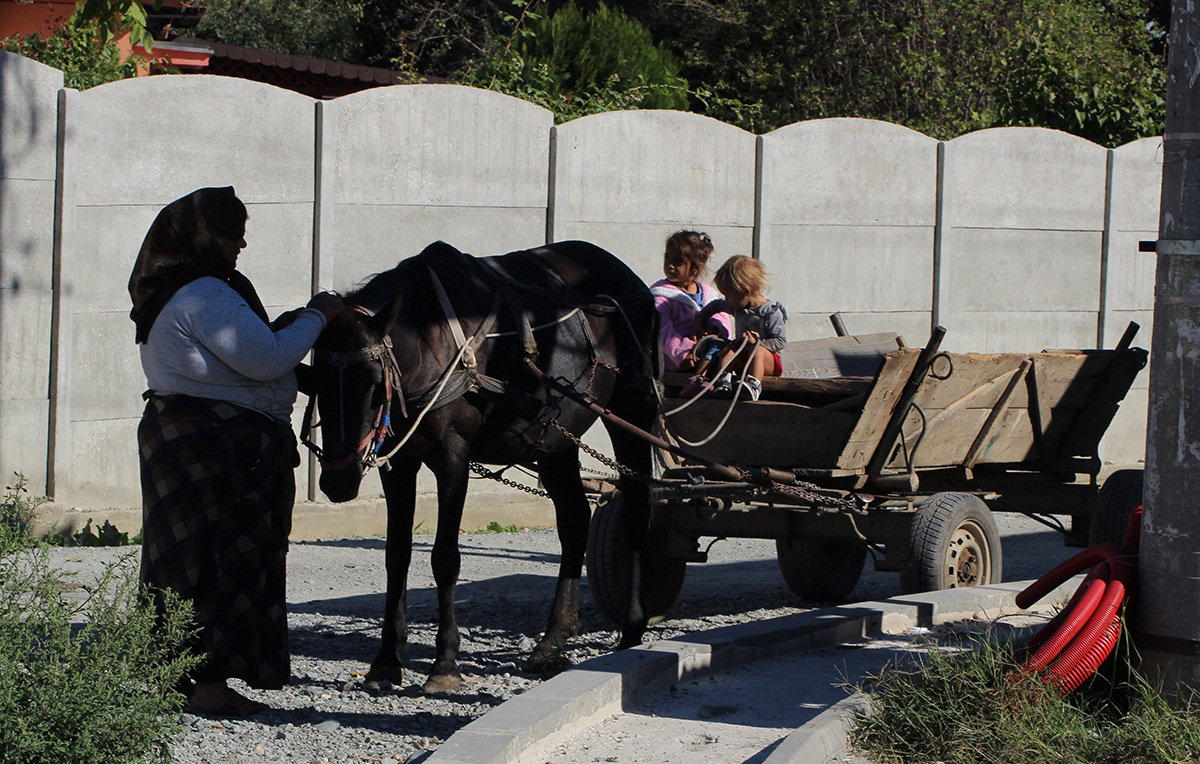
606 461
498 476
807 492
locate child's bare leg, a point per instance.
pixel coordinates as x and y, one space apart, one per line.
758 364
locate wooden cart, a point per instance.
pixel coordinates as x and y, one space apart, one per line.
869 445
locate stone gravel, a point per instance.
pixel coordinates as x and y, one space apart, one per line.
335 593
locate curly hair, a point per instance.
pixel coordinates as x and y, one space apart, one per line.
693 246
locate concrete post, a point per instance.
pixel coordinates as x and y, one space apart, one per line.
1167 623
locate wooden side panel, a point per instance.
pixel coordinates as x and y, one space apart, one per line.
837 356
1037 414
766 433
886 391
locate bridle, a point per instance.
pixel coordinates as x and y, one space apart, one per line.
367 451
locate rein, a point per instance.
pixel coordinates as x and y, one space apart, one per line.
368 449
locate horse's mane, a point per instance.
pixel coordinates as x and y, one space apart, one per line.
380 289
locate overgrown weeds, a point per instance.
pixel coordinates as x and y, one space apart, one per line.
963 708
87 679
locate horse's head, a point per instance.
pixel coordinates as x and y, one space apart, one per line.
355 381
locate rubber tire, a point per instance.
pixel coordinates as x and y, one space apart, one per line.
608 563
1119 496
819 570
945 526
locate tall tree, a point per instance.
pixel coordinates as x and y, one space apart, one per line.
325 29
940 66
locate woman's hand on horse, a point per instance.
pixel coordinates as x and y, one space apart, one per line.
329 303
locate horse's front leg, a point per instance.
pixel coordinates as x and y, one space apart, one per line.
400 491
634 453
559 474
451 474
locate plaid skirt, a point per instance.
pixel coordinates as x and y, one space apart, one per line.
217 493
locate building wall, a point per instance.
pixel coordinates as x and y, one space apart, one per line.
1014 239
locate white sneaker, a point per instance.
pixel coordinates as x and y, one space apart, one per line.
752 387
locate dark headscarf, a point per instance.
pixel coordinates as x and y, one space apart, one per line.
192 237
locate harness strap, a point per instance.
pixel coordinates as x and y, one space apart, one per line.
507 286
452 320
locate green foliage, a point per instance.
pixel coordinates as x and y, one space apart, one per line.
962 709
81 49
495 527
115 16
105 535
603 49
102 692
314 28
575 64
18 507
943 67
437 37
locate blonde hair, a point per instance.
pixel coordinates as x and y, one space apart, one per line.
743 275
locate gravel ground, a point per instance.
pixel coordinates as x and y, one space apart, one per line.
335 593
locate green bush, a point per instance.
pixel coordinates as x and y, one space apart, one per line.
17 507
100 692
79 52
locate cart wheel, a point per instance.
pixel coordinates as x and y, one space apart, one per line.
608 562
1119 496
952 543
820 570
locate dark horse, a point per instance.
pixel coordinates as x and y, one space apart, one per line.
443 341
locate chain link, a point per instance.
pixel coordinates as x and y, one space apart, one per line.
810 493
498 476
606 461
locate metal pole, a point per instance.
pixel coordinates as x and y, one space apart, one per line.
1167 613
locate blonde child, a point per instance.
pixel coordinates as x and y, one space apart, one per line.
743 282
680 296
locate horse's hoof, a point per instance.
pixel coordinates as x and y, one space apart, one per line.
378 675
442 683
547 664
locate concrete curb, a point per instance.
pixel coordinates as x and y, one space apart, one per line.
516 731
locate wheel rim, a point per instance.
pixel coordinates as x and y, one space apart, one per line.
968 558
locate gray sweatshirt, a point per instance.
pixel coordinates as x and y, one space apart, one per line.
208 343
767 319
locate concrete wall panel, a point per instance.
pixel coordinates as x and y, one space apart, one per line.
1004 270
1136 194
852 268
441 145
1019 332
28 156
24 434
654 167
278 254
1021 177
851 172
1125 441
28 118
372 239
640 245
139 141
25 350
105 464
105 368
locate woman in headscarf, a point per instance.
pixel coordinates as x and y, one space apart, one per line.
215 442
